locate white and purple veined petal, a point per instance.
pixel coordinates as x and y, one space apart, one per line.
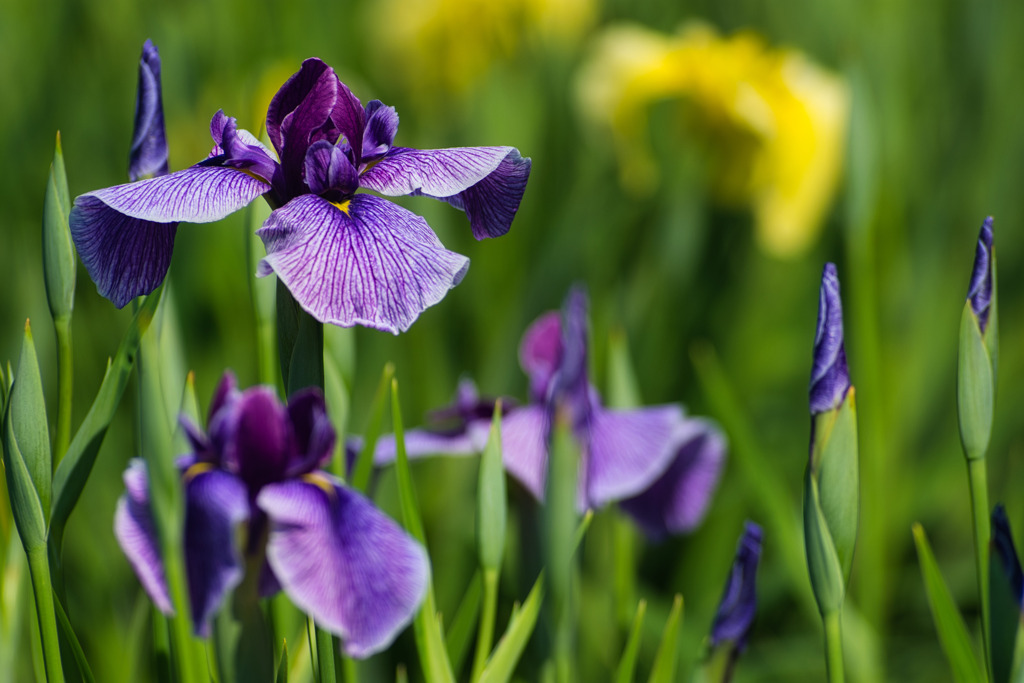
830 378
365 262
148 154
343 562
125 234
486 182
677 501
216 502
738 605
979 293
136 534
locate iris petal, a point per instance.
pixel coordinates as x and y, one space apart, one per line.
354 570
423 442
524 447
677 501
485 182
373 263
148 155
215 502
136 534
540 351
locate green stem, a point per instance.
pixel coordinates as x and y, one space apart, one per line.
64 386
978 478
350 673
485 638
39 568
833 646
325 656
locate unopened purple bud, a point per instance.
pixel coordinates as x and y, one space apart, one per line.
148 156
830 379
738 606
980 291
1002 544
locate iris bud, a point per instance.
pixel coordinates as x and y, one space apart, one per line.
979 350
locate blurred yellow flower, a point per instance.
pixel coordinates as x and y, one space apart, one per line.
777 120
451 44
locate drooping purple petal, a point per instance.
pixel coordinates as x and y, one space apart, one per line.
628 450
329 172
979 293
524 447
540 352
126 257
485 182
136 534
738 606
241 150
314 433
215 503
830 379
380 131
368 262
148 154
423 442
350 567
1002 545
677 501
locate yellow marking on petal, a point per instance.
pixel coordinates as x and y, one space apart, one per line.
197 469
317 479
343 207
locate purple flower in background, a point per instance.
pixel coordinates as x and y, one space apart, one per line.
1002 544
738 605
148 155
661 466
830 378
979 293
350 567
348 258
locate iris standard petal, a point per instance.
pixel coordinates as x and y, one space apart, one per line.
677 501
136 534
524 447
365 262
260 442
540 351
215 503
380 131
346 564
148 154
314 433
485 182
302 105
627 450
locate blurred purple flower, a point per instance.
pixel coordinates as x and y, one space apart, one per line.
830 378
350 567
1002 544
738 605
661 466
979 293
347 258
148 155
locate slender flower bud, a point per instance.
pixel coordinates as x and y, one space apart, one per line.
980 292
59 262
831 486
738 605
148 156
979 350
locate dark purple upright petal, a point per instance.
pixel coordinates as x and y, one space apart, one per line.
980 291
366 262
314 433
136 534
215 503
570 388
486 182
540 351
678 500
739 599
346 564
1002 544
226 392
381 128
628 450
259 442
524 447
830 379
148 154
329 172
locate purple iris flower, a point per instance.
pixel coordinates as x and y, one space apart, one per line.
1002 544
660 466
339 559
148 155
738 605
830 378
348 258
979 293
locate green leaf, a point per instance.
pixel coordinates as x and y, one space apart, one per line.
827 579
59 264
189 409
956 642
975 387
27 407
623 390
664 669
69 639
336 396
627 664
463 624
364 463
491 502
282 667
74 469
503 661
835 463
25 506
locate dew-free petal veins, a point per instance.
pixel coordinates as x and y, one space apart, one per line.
492 203
215 503
830 378
354 570
373 263
136 534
